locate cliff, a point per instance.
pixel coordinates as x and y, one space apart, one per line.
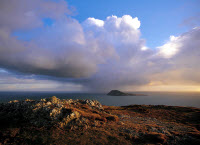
55 121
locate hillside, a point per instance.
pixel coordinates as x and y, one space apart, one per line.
55 121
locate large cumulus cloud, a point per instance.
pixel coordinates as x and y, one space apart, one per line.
67 48
96 54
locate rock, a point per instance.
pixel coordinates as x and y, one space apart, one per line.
53 100
28 100
43 100
14 101
55 113
69 101
48 103
48 112
93 103
69 118
90 102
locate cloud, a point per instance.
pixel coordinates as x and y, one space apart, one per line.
59 50
171 48
10 81
182 55
23 14
65 49
94 22
92 55
176 63
192 21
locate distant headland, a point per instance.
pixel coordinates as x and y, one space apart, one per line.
119 93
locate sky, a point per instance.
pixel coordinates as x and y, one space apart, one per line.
96 46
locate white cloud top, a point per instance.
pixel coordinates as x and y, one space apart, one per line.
171 48
95 22
125 21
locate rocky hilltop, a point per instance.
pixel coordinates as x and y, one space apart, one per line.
119 93
52 111
55 121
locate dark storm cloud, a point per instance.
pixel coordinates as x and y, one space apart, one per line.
57 51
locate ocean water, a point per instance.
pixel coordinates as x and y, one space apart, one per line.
152 98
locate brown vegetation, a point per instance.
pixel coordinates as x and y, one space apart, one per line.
87 122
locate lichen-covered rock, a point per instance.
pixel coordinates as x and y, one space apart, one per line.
43 100
69 118
48 112
54 99
14 101
55 113
28 100
48 103
93 103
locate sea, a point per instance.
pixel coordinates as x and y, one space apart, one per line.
189 99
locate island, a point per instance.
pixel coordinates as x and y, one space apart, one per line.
66 121
119 93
